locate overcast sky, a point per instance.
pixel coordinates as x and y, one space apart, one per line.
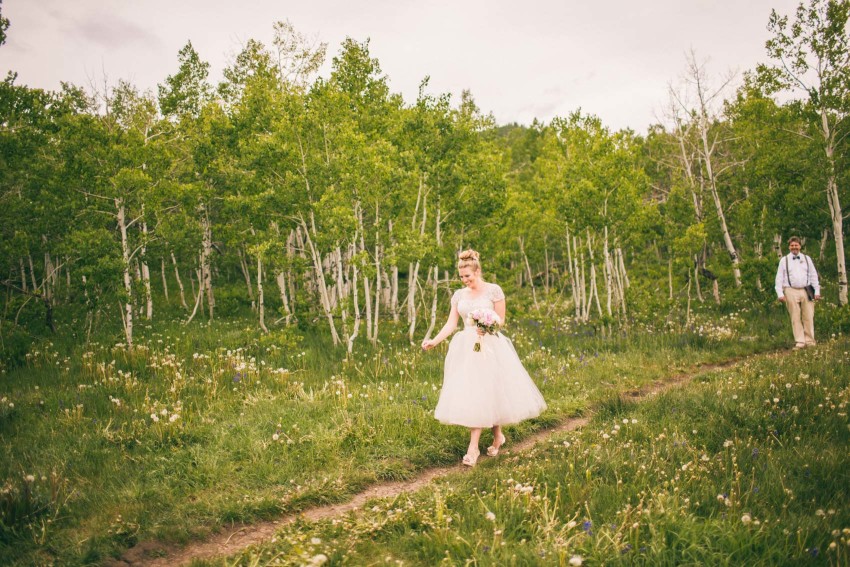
521 59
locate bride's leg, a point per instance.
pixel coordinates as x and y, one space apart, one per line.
472 451
497 436
498 441
474 437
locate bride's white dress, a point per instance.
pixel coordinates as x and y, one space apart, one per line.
489 387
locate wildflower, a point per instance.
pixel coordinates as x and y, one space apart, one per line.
29 478
728 443
275 437
174 417
319 559
490 516
154 417
746 519
315 541
575 560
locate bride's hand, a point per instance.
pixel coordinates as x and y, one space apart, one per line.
480 331
428 344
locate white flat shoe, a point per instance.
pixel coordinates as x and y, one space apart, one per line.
470 459
492 450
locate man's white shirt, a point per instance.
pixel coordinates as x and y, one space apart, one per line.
797 273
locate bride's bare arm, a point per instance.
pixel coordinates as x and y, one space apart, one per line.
499 308
448 329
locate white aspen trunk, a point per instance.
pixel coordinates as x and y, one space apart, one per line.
687 166
127 306
727 237
146 273
607 273
546 265
394 294
67 278
341 289
367 292
621 277
759 250
777 245
284 299
703 122
837 226
435 290
393 283
206 271
696 279
246 272
192 283
670 275
320 281
378 292
412 278
594 289
626 283
164 280
715 289
688 314
439 222
180 283
199 297
585 301
619 290
572 274
356 327
290 253
32 273
23 275
48 285
823 240
386 287
260 303
528 272
328 267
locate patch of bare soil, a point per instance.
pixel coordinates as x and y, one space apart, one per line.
234 540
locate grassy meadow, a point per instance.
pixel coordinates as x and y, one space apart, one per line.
745 466
206 425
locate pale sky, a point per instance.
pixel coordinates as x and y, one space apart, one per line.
520 59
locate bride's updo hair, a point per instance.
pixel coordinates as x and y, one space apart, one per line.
468 259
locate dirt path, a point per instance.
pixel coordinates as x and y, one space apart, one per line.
234 540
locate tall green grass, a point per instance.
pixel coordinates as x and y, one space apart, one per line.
746 466
203 425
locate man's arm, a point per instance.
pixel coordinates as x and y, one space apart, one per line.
780 280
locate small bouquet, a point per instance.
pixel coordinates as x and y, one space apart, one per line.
486 320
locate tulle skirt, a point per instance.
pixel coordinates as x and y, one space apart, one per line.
486 388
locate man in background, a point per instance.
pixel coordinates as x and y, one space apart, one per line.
797 272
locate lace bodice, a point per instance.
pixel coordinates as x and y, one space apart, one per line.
466 304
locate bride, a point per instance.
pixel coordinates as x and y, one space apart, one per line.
486 387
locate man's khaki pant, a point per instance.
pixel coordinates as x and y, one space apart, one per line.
802 313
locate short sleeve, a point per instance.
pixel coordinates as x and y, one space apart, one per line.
496 293
456 297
